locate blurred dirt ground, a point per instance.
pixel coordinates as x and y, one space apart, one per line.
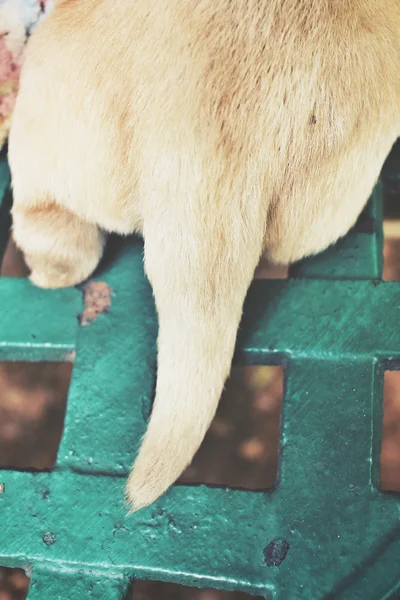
240 449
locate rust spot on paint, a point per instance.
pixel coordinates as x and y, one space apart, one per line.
97 301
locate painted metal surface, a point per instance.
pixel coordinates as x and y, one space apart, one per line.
324 531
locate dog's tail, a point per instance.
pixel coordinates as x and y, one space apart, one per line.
200 273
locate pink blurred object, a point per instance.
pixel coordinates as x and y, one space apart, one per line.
18 18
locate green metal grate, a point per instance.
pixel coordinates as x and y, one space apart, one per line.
325 531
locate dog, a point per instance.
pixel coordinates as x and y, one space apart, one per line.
219 131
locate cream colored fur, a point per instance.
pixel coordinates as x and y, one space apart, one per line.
218 130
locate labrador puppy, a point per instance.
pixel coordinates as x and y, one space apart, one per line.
219 130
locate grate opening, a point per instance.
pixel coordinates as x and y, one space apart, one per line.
268 270
14 584
33 399
241 447
391 250
13 264
390 451
391 210
157 590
